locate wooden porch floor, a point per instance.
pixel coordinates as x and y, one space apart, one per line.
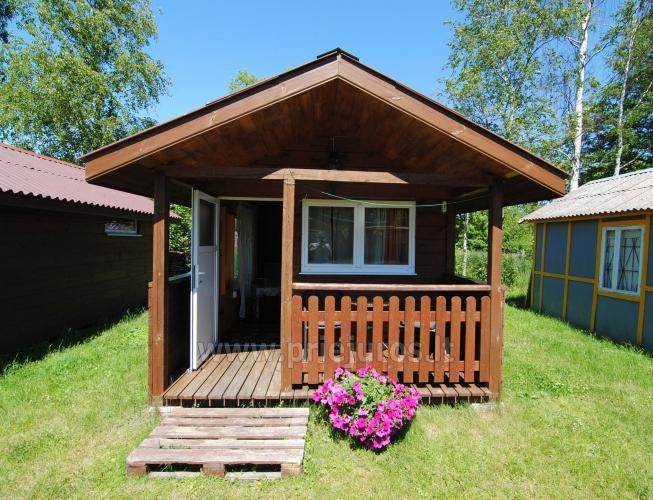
243 375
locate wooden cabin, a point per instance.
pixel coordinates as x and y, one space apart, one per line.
72 253
354 181
590 262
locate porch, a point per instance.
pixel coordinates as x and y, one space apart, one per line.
243 375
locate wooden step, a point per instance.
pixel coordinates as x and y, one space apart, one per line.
214 437
238 421
175 411
218 431
154 442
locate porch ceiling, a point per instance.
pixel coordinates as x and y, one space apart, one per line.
331 114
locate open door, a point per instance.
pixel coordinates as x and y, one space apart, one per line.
204 287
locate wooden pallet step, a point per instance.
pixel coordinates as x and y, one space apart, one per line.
211 432
234 412
154 442
175 474
240 421
204 457
252 476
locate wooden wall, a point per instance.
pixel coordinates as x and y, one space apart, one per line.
60 270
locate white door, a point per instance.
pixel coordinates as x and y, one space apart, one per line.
204 257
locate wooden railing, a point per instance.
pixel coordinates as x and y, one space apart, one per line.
414 333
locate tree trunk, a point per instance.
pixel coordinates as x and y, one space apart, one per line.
465 248
576 160
622 97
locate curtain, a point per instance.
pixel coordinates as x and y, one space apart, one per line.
386 236
246 215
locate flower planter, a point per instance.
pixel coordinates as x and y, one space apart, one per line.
367 406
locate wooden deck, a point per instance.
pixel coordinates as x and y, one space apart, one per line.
216 438
253 375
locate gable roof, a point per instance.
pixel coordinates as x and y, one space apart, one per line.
27 173
145 149
613 195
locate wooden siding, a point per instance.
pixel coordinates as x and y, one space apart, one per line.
60 270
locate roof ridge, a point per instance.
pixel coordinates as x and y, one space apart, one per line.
631 188
39 155
620 176
56 174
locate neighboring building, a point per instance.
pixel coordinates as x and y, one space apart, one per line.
344 185
71 254
590 264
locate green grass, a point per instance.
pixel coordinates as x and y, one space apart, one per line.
576 420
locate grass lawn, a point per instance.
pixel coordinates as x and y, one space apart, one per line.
576 420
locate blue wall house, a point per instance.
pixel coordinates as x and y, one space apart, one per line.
590 262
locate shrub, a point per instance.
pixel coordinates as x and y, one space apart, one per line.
515 269
367 406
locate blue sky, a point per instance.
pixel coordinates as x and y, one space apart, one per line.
203 43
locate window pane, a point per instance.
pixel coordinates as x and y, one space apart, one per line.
608 259
330 235
207 223
121 226
629 250
386 236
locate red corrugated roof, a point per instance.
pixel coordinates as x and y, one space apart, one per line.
29 173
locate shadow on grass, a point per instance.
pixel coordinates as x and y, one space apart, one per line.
64 340
519 301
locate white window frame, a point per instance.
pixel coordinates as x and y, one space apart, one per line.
615 268
358 266
128 232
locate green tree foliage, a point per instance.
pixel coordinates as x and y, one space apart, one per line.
180 238
498 59
6 13
518 239
243 79
630 65
77 75
519 68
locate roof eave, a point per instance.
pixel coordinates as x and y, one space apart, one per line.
336 64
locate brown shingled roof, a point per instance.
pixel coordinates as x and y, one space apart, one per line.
29 173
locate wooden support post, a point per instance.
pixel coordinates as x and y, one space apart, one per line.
451 241
158 310
287 230
495 241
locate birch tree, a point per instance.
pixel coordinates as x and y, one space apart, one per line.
497 63
619 130
581 44
634 15
76 74
498 79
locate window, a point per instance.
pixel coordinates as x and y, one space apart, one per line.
621 263
121 227
342 237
